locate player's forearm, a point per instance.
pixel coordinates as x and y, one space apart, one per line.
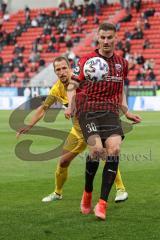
124 105
40 112
71 93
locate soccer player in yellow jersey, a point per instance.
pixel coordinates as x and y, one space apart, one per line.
74 143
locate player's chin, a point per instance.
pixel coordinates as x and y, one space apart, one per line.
106 49
64 80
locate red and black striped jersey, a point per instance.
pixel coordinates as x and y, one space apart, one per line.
105 91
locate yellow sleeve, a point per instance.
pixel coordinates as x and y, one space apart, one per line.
48 102
56 94
55 89
59 92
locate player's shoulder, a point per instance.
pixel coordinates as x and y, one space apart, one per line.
120 59
55 87
90 55
87 56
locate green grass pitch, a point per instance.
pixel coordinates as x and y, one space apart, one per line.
24 183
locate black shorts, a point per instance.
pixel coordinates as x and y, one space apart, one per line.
102 123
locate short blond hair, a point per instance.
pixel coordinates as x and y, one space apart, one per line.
61 58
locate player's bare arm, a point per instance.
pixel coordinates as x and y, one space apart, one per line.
71 93
38 115
130 116
40 112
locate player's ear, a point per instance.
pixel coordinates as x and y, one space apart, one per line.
97 37
116 38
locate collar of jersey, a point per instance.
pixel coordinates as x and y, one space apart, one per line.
97 51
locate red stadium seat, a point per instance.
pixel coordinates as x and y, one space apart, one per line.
27 38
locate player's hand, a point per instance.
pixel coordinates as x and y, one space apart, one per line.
133 117
68 113
22 131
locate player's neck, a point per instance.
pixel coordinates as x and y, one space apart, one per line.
104 54
66 84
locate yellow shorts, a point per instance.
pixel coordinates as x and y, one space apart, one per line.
75 142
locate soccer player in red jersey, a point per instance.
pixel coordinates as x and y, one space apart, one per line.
99 98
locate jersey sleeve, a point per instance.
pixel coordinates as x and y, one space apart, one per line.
78 74
50 99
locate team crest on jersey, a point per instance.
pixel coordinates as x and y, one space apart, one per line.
118 67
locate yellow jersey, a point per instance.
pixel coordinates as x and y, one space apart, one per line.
75 142
58 93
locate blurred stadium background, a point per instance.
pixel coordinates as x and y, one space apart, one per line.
32 33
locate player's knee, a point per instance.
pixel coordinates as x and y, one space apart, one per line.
66 158
113 150
97 152
64 163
